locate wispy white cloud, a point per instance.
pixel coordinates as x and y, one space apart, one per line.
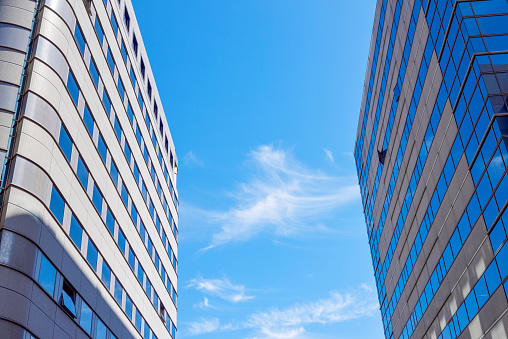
222 288
283 196
190 159
205 304
202 327
291 322
329 154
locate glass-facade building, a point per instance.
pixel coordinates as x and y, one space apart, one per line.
432 157
88 214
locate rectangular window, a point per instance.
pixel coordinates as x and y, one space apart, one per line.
138 134
131 259
149 89
106 102
142 68
156 260
161 127
132 77
130 114
150 247
126 19
68 299
138 321
145 155
140 101
101 147
135 45
146 334
88 120
114 24
155 110
144 192
118 129
97 198
127 152
114 173
157 223
121 89
91 255
111 61
123 51
98 30
142 232
94 73
128 306
125 195
166 145
47 276
57 205
136 172
110 221
118 292
134 214
121 241
76 232
80 40
141 274
73 88
86 317
106 274
82 173
148 288
102 330
148 122
65 143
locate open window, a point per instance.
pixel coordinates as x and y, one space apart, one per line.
68 299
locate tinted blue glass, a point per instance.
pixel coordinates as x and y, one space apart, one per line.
146 334
106 274
118 292
150 247
97 198
114 173
80 40
98 30
123 51
140 274
121 89
118 129
47 276
111 62
57 205
132 77
94 73
101 328
114 24
492 277
128 306
101 147
86 318
142 231
106 102
73 88
121 241
130 114
65 143
91 255
148 288
88 120
82 173
110 221
136 172
127 152
141 102
134 214
131 259
76 232
125 195
138 321
481 292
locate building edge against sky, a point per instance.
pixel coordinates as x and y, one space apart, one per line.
88 219
432 158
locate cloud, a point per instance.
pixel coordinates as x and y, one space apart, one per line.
222 288
205 304
190 159
290 323
329 154
283 197
202 327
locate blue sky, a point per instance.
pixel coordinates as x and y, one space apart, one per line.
262 99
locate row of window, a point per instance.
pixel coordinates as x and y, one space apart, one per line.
85 245
88 183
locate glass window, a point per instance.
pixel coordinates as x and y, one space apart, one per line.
132 77
68 298
136 172
149 89
106 102
138 134
131 259
123 51
125 195
57 205
141 274
86 317
157 223
130 114
98 30
142 68
114 173
110 221
101 330
121 89
142 231
47 276
114 24
65 143
94 73
97 198
128 306
118 292
82 173
101 147
156 260
138 321
127 151
91 255
135 45
148 288
88 120
140 100
134 214
118 129
155 110
106 274
146 334
73 88
111 61
80 40
126 19
76 232
121 241
150 246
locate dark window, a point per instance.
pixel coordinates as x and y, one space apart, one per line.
123 51
141 102
140 274
118 129
161 127
73 88
97 198
127 152
166 144
134 214
132 77
135 45
138 134
131 259
57 205
136 172
121 241
68 299
149 89
82 173
126 19
148 288
142 68
125 195
155 110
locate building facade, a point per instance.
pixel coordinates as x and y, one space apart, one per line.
432 158
88 218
